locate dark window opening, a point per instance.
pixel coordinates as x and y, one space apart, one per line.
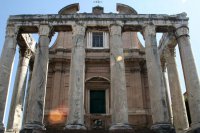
97 102
97 39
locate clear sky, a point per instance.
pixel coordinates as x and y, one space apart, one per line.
191 7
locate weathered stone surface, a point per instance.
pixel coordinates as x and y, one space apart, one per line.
77 78
35 108
118 81
180 119
190 74
6 63
156 83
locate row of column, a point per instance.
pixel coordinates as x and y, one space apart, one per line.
33 118
157 88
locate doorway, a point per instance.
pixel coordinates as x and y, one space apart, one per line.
97 102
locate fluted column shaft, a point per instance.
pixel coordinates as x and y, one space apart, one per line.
77 79
160 114
179 111
14 118
6 63
35 108
118 79
190 74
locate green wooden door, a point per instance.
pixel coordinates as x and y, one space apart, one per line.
97 102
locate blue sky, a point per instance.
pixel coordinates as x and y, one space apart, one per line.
191 7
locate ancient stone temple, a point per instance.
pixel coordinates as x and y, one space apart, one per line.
98 76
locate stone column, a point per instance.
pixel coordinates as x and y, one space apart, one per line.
167 91
14 118
24 120
6 63
190 75
178 106
36 100
160 114
77 80
118 81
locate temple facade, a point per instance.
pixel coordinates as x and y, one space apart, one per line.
97 76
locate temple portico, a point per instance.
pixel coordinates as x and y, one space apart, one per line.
97 75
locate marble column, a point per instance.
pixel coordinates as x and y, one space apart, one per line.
77 80
14 118
6 63
118 81
190 75
167 90
160 114
178 105
36 100
25 105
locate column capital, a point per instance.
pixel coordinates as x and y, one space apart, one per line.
181 30
149 29
115 29
12 30
79 29
45 30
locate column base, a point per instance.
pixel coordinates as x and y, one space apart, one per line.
33 128
163 128
121 128
181 131
11 131
32 131
77 128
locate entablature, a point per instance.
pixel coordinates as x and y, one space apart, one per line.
130 22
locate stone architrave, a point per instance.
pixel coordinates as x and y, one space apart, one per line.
35 108
118 81
6 63
14 118
190 75
77 80
160 115
179 111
